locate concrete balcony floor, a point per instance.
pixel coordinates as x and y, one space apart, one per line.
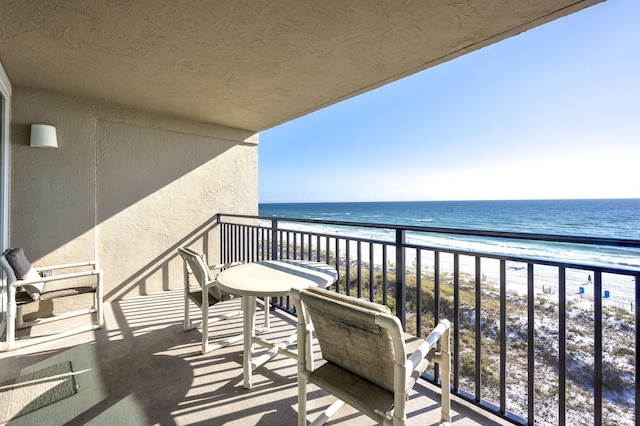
143 369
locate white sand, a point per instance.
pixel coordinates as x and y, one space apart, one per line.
620 288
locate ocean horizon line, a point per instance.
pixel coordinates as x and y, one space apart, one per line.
449 201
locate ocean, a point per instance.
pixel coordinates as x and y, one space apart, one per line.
610 218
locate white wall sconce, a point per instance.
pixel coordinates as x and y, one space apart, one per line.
43 136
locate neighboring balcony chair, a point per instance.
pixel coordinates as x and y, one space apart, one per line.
26 286
207 295
366 358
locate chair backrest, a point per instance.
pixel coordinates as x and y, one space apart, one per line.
197 265
350 336
17 267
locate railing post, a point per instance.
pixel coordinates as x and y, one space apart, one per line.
531 344
401 282
478 330
274 240
597 348
637 348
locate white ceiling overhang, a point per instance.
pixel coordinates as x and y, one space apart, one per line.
247 64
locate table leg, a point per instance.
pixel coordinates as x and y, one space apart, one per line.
249 309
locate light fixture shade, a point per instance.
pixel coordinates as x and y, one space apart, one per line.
43 136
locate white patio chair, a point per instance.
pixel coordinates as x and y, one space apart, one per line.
206 295
26 286
366 364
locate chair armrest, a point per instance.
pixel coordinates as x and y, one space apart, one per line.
415 359
20 283
221 266
92 263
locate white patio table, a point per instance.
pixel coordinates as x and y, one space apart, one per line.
270 278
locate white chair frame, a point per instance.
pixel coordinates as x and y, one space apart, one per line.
201 299
406 368
15 313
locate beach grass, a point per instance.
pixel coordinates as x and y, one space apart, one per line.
618 359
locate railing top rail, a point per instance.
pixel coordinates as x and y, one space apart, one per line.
571 239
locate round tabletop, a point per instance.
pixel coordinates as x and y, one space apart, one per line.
275 277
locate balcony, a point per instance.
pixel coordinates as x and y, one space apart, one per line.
142 368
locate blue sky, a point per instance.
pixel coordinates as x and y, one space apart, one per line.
551 113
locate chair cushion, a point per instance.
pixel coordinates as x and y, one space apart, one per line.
66 284
24 271
67 292
18 262
36 289
23 298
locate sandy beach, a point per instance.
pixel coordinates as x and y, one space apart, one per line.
618 290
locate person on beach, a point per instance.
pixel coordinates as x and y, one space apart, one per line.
589 279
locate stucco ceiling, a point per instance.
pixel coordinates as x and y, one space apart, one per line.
248 64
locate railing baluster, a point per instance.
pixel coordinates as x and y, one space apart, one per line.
295 246
637 348
281 244
233 246
456 322
436 291
562 344
359 270
347 261
597 343
246 236
338 264
223 241
266 244
478 332
240 243
401 282
274 239
231 250
503 336
328 250
530 344
371 274
385 277
436 307
419 294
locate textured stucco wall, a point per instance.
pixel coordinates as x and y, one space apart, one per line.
124 187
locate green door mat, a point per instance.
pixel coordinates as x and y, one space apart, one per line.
32 391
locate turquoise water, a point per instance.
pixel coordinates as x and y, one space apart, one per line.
610 218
